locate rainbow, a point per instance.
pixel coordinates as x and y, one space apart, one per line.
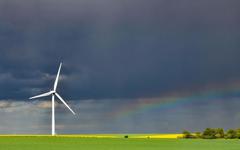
174 99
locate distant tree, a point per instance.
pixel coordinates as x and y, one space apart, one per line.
198 135
209 133
238 133
219 133
231 134
125 136
187 135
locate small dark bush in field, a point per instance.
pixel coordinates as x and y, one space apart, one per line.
188 135
198 135
125 136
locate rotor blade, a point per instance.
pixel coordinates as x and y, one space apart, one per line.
57 77
61 99
41 95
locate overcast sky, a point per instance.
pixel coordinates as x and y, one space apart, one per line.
116 53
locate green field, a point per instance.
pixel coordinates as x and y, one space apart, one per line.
74 143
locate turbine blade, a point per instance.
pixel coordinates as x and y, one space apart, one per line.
57 77
41 95
61 99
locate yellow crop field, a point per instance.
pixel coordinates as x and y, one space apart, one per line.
160 136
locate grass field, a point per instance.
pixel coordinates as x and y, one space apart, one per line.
78 143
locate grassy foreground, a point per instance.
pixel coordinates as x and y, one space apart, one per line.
76 143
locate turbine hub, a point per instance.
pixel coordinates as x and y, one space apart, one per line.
53 91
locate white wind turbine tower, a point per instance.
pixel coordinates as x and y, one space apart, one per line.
54 93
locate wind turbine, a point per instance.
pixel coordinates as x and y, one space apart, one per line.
54 93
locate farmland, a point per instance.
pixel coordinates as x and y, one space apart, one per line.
112 142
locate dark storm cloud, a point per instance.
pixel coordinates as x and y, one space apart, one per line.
117 49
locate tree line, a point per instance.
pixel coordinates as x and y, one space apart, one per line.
213 133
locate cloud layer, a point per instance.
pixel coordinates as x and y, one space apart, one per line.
113 49
93 116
